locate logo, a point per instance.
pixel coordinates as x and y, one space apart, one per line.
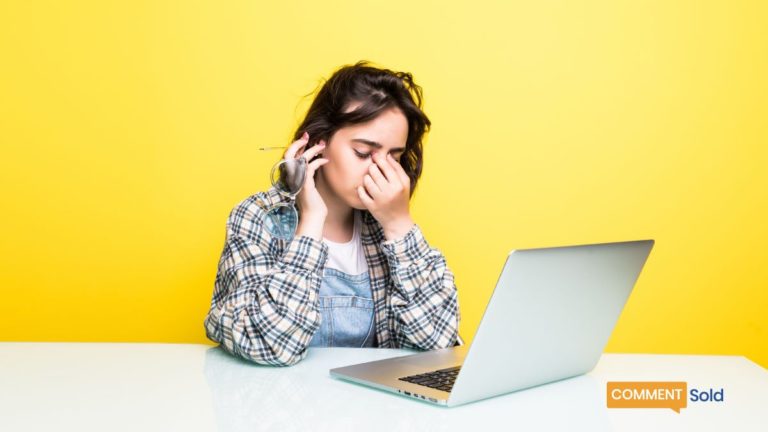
658 394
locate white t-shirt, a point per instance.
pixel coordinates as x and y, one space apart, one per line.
348 257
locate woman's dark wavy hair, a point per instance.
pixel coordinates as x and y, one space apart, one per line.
377 90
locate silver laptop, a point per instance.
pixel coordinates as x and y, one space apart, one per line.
548 319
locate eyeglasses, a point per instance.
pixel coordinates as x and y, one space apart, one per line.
287 178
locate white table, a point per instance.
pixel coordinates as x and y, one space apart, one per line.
181 387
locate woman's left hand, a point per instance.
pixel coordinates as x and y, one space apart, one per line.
385 192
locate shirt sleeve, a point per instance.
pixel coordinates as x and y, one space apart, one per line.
425 299
264 308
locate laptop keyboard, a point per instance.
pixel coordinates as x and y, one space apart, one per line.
441 379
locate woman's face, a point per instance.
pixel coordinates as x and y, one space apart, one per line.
350 150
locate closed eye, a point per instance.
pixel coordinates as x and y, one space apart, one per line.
367 155
362 155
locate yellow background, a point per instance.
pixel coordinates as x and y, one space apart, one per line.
130 129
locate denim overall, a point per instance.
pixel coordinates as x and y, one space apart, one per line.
346 308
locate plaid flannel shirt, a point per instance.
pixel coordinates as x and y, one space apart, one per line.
265 300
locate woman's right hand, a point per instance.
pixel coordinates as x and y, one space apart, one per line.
310 203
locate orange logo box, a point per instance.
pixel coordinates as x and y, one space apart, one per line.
648 394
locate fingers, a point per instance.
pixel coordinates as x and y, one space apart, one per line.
371 187
385 167
404 179
375 173
313 151
364 197
295 146
388 170
313 166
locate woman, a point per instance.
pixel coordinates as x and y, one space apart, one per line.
358 271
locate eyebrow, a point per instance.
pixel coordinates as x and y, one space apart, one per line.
374 144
